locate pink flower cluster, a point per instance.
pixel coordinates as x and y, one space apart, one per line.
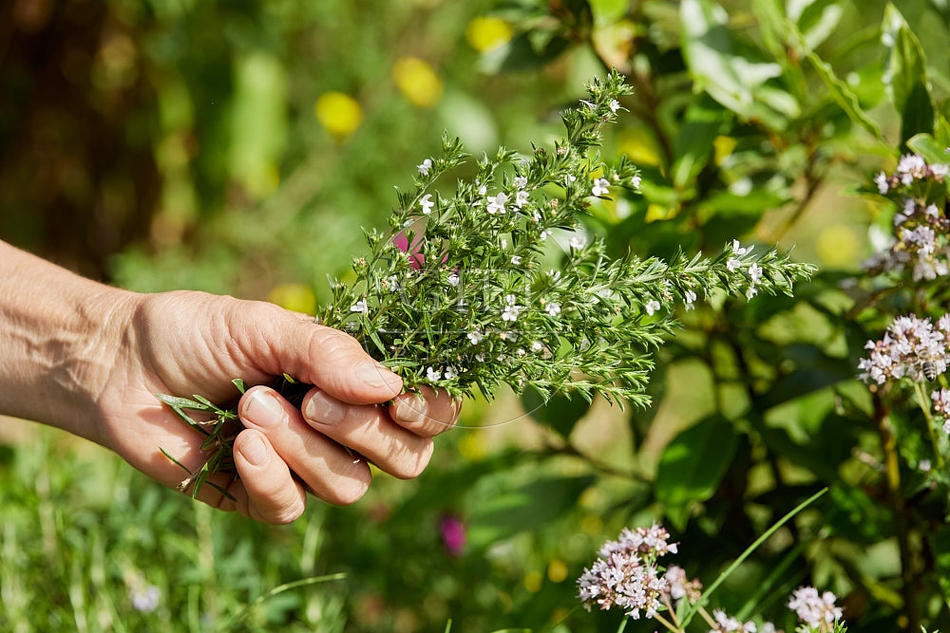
920 240
626 574
817 611
911 347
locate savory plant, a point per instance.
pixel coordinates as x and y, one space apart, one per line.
500 283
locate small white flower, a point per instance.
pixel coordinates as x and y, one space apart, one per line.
392 282
924 465
882 184
601 187
755 273
521 182
516 259
635 182
553 308
652 306
454 279
544 235
482 190
536 346
521 198
496 204
360 306
734 264
426 204
433 374
425 167
751 292
569 179
145 598
578 242
510 313
511 310
450 373
475 337
690 297
504 243
520 352
738 250
614 105
554 274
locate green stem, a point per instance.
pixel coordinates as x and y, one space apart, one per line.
924 403
901 525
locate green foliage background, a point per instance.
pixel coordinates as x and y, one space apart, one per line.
162 145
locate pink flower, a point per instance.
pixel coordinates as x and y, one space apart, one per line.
452 529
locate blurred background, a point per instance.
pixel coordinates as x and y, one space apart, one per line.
240 147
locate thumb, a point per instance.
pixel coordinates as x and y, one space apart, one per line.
329 359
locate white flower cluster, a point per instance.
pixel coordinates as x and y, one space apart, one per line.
941 405
919 242
911 347
727 624
626 574
753 272
818 611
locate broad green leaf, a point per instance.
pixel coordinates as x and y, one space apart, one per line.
524 52
906 75
789 31
816 19
608 11
526 507
709 50
558 413
692 466
930 149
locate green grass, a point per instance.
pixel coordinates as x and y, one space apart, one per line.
83 535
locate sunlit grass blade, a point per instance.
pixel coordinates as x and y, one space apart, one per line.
696 606
288 586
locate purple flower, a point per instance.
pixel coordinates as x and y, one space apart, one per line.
626 575
452 530
817 611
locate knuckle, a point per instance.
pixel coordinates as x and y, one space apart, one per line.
412 466
289 514
348 493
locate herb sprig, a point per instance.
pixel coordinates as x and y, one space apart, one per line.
500 284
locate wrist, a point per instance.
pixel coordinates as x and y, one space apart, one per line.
60 336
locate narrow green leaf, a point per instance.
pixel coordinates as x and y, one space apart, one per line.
844 96
748 551
174 461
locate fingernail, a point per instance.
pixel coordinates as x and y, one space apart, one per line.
413 410
263 409
324 409
254 450
375 375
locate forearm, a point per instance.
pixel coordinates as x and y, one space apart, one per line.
57 341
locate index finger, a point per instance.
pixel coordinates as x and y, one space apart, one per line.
426 413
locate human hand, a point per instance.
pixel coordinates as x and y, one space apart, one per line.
190 342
